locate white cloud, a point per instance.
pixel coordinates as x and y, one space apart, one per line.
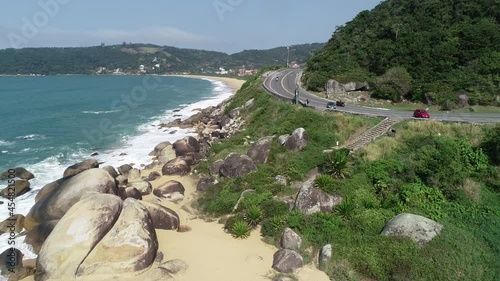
55 37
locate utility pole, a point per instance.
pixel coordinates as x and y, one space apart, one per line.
287 56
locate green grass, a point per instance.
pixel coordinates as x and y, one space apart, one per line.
385 179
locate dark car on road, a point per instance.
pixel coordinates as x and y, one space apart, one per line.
340 103
420 113
331 105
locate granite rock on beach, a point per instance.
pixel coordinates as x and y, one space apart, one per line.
144 227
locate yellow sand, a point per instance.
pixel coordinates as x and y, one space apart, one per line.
212 254
233 83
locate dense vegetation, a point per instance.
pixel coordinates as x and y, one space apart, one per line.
434 47
128 57
446 172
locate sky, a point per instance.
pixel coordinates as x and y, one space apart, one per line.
221 25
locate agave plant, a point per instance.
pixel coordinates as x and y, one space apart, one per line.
240 230
323 182
253 216
345 208
337 163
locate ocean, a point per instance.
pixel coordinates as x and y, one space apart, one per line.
49 123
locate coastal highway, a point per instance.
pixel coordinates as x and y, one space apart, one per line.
283 84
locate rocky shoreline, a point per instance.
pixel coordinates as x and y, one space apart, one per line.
110 207
103 223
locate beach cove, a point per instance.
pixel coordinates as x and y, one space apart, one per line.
208 252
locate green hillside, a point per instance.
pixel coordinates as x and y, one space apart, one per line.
436 47
128 57
448 172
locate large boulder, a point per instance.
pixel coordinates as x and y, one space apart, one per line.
283 138
80 167
121 181
298 140
172 190
76 235
124 169
214 169
176 166
186 146
134 175
462 100
37 236
312 200
14 224
287 261
10 260
130 246
48 188
55 204
260 150
163 217
111 170
144 187
19 188
18 172
166 154
237 165
205 184
290 240
129 192
420 229
153 176
159 147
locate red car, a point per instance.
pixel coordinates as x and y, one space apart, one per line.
420 113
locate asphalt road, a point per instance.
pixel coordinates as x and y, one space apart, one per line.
283 83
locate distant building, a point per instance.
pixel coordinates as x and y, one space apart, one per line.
247 72
100 70
222 71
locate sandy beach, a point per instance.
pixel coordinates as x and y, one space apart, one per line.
233 83
210 253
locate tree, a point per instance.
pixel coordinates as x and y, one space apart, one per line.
393 85
491 145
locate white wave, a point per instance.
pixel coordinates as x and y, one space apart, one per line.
133 149
100 112
32 137
5 143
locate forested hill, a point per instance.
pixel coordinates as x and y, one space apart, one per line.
437 47
128 57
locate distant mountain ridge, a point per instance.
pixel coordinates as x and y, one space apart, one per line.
129 57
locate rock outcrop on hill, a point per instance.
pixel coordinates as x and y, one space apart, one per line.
420 229
311 200
237 165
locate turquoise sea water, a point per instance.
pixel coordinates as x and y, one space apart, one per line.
49 123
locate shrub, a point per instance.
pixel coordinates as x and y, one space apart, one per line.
254 199
491 145
324 182
253 216
393 85
371 221
336 163
345 209
428 200
228 224
240 230
273 226
274 208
